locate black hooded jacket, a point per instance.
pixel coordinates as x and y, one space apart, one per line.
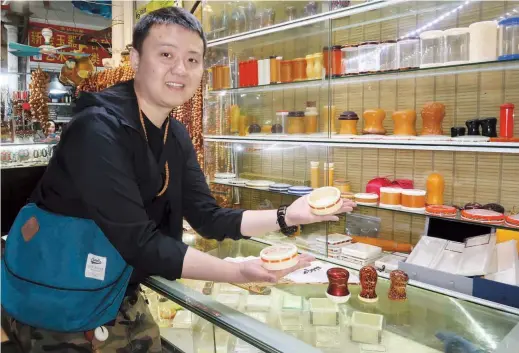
103 169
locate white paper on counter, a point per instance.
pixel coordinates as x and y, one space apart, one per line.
315 273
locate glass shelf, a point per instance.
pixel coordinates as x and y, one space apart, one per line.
454 219
490 66
301 22
335 141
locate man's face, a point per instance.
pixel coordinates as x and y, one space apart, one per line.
170 65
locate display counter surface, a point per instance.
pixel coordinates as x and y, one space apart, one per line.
425 322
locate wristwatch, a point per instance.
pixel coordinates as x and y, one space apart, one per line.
285 229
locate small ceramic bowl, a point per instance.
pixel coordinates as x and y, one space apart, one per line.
325 201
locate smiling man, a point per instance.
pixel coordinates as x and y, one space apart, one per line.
125 165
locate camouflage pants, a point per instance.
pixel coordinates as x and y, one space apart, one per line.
134 331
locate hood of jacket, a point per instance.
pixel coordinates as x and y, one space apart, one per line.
119 100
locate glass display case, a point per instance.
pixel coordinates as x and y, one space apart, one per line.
21 155
406 110
198 316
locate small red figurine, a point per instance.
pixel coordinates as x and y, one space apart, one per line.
368 281
397 290
338 285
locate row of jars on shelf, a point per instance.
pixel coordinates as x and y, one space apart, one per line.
432 114
476 43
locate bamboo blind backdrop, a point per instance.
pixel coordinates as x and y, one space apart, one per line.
469 177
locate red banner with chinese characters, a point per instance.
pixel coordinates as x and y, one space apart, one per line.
63 35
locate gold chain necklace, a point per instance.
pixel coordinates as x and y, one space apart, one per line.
166 182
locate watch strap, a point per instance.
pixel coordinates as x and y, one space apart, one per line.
281 220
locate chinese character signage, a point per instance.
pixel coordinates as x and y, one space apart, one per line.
63 35
154 5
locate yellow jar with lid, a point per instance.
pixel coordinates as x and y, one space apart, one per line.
348 123
296 122
310 67
318 65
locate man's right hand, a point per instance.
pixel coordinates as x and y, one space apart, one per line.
253 270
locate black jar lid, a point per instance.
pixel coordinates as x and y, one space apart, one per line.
337 47
488 119
472 121
458 131
296 114
348 115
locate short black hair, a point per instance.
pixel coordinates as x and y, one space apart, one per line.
169 16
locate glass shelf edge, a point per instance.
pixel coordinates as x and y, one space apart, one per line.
454 219
489 66
490 147
331 15
412 282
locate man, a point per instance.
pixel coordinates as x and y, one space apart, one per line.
125 165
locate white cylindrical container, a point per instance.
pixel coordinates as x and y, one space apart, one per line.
431 49
350 57
509 38
483 41
457 42
408 53
369 57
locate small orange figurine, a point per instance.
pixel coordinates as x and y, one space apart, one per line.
368 281
399 280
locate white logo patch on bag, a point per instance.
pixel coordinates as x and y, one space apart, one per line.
95 267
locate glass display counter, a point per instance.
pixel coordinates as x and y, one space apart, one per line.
299 317
401 105
21 155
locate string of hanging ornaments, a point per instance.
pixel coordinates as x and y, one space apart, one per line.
189 114
39 93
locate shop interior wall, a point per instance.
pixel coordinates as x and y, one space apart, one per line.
469 177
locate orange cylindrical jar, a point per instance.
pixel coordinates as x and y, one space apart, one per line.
435 189
432 116
299 69
348 123
336 61
413 200
390 197
286 71
374 122
405 122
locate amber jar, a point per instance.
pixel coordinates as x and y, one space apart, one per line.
225 77
286 71
348 123
405 122
310 67
432 116
343 185
296 122
311 118
299 69
326 60
336 61
374 122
